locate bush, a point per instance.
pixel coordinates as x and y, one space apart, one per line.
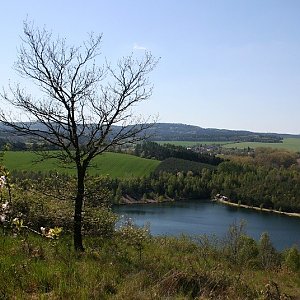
292 259
99 221
269 258
248 251
134 236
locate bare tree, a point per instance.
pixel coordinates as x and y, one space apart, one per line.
81 102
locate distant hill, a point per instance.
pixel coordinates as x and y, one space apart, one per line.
179 132
182 132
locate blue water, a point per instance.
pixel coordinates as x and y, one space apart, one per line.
205 217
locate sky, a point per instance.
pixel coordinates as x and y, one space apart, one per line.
232 64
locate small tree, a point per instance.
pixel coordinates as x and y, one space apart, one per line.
233 240
292 258
267 253
81 102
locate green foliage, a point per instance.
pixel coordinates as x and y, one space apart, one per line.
259 185
274 158
99 222
99 190
240 249
248 252
134 236
174 165
243 251
292 259
166 151
268 256
12 220
42 210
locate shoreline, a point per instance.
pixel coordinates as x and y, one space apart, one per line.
226 202
127 200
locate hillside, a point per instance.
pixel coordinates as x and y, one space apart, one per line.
183 132
168 132
113 164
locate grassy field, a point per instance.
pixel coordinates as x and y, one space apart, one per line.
292 144
192 143
113 164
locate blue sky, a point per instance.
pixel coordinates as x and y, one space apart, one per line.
231 64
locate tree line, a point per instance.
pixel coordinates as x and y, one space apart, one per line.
161 152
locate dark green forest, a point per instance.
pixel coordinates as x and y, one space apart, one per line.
162 152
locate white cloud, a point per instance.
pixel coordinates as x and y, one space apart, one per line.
138 47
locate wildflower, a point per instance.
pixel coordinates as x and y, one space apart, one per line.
43 230
18 223
51 233
2 181
2 218
54 232
5 206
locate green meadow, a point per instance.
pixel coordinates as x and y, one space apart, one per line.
291 144
113 164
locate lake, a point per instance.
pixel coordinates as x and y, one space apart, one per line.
206 217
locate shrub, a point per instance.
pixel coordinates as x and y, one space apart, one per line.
292 259
268 256
134 236
99 221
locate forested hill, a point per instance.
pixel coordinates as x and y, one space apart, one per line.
168 132
182 132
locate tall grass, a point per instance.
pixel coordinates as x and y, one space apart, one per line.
169 268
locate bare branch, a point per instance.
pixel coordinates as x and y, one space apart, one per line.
83 109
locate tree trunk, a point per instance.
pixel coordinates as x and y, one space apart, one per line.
78 209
